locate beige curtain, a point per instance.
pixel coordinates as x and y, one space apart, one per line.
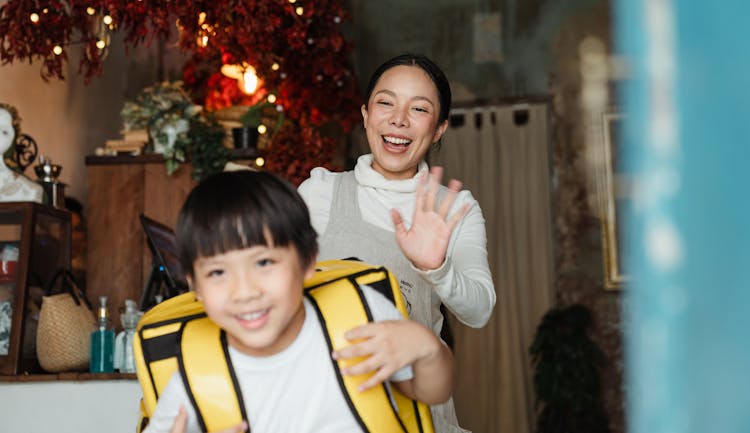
507 168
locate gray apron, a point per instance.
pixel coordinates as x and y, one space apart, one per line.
348 235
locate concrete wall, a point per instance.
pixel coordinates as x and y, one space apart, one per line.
444 30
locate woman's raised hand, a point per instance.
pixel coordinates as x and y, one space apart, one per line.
425 243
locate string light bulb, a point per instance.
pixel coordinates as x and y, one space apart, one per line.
260 162
247 79
206 30
34 17
275 67
90 10
100 44
57 50
271 98
107 19
299 10
262 129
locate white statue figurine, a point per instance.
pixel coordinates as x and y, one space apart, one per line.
14 186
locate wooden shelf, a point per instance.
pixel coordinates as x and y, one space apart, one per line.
155 158
120 188
71 376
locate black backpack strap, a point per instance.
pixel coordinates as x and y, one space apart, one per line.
335 292
340 305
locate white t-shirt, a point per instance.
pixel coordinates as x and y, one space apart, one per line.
295 390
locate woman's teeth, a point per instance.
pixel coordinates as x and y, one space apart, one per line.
394 140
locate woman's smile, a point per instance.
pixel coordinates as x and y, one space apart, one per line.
401 121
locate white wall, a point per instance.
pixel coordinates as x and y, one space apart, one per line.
69 407
69 119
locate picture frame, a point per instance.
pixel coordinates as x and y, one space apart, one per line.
13 291
615 191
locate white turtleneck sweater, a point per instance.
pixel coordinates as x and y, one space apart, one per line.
463 282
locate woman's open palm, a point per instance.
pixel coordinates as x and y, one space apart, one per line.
425 243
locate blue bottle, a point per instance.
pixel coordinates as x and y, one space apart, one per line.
102 342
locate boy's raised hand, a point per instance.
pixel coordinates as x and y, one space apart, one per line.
391 345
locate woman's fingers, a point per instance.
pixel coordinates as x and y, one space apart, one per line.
454 187
398 221
419 195
457 216
427 192
436 174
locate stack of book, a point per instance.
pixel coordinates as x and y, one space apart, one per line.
132 142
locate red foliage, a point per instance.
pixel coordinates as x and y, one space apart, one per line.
294 152
311 76
68 23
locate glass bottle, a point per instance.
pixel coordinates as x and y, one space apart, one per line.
102 342
124 361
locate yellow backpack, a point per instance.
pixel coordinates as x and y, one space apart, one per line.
176 335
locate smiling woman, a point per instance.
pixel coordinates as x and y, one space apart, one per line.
392 210
401 118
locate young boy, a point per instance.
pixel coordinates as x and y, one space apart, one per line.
247 244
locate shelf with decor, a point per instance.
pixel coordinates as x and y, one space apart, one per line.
35 243
120 189
67 376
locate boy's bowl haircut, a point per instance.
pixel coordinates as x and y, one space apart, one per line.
240 209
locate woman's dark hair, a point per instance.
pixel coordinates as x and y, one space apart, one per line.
427 65
240 209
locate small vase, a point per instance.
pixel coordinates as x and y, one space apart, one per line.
170 130
245 137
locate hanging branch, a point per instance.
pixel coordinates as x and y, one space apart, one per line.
297 49
46 31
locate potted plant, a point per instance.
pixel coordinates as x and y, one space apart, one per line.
566 373
255 122
177 128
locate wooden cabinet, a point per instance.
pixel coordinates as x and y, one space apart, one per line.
119 190
34 244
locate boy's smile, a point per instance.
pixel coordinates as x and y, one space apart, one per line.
255 295
255 319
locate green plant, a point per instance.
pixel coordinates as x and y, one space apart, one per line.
158 105
179 127
255 115
205 148
566 373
